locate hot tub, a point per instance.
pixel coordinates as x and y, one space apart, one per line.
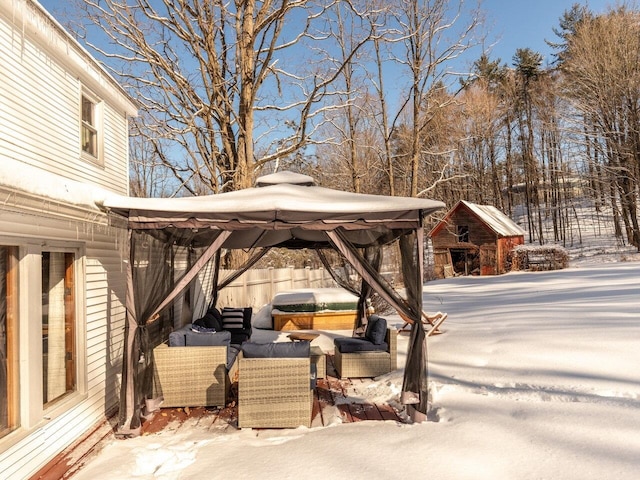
314 309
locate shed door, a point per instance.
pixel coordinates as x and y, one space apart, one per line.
488 260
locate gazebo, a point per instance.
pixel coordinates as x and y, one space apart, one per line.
284 210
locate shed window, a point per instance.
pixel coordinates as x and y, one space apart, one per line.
463 233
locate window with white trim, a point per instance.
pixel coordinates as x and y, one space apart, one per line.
58 325
43 368
91 127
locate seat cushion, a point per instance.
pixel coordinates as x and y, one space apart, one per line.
376 329
232 353
276 350
354 345
207 339
211 319
176 339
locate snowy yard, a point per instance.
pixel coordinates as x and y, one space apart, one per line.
536 377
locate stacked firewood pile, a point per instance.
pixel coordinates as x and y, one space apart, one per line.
539 257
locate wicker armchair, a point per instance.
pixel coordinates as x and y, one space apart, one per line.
274 392
369 363
193 376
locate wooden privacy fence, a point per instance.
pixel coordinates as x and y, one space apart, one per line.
256 287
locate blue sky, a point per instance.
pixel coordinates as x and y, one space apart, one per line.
527 24
512 24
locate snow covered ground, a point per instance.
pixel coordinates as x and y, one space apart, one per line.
536 377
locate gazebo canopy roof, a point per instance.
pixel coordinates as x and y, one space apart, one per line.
284 209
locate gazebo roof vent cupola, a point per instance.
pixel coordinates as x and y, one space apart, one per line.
291 178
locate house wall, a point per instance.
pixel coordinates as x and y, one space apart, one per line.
45 432
41 86
46 184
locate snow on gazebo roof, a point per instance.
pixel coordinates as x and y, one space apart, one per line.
285 204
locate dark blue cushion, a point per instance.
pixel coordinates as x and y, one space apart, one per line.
238 337
353 345
376 329
176 339
276 350
193 339
211 319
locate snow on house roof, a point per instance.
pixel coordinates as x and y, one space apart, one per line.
23 179
495 219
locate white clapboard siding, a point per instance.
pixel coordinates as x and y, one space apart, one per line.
43 73
105 318
39 124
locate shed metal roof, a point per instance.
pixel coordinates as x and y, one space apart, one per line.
495 219
500 223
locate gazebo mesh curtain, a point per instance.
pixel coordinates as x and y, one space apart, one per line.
415 391
158 260
340 270
415 387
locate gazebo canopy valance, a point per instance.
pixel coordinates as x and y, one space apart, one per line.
287 210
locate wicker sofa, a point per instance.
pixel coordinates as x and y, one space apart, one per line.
191 376
193 369
374 354
275 385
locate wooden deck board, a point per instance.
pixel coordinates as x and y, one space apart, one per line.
387 412
371 412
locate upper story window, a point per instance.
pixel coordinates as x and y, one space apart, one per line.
90 127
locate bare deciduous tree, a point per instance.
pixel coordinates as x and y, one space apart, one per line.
601 68
216 78
427 29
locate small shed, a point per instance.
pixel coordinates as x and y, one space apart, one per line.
474 239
